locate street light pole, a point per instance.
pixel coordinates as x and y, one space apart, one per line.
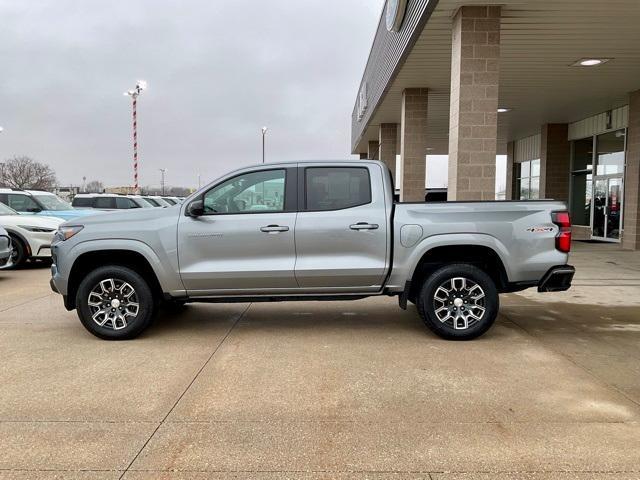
163 171
140 86
264 132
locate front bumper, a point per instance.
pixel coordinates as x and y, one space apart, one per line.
557 279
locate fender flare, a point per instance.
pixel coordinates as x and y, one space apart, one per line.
458 239
135 246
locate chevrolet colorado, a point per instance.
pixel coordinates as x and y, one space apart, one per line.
310 231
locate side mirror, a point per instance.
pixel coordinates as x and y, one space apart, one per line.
34 210
195 208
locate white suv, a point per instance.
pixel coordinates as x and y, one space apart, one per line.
30 235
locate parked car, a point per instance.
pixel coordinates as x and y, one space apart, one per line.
172 200
107 201
30 235
322 231
6 249
35 202
157 201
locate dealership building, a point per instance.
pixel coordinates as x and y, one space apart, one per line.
552 84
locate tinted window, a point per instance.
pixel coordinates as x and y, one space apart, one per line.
104 202
261 191
124 203
22 203
82 202
335 188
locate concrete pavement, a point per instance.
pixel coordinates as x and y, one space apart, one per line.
339 390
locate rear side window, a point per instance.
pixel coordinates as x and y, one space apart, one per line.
104 202
335 188
125 203
82 202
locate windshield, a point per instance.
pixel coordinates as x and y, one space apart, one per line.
52 202
152 201
4 210
143 203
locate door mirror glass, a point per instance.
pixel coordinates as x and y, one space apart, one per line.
195 208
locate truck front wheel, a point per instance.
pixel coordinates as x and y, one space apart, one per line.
115 303
458 302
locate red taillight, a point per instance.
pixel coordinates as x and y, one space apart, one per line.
563 238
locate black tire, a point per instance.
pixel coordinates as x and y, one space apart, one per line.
19 256
468 304
135 324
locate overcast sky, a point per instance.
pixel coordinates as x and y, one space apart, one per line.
217 72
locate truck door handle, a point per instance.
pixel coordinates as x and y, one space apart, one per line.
364 226
274 229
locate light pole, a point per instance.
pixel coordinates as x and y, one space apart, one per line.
163 171
140 86
264 132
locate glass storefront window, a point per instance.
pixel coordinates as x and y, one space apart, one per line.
528 180
610 153
581 181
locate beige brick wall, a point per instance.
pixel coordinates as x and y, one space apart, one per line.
413 144
631 234
555 161
373 150
388 139
474 103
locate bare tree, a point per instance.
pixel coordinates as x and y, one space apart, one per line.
24 172
95 186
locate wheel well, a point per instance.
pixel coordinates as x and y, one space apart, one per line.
16 237
89 261
482 257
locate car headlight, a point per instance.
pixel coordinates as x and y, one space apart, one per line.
37 229
65 233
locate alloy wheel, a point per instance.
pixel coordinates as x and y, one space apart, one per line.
113 303
459 302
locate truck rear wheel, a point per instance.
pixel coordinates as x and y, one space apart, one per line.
458 302
115 303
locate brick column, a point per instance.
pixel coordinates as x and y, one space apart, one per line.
373 150
510 184
388 141
631 233
555 161
413 144
473 124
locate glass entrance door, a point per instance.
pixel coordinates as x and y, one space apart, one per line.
607 208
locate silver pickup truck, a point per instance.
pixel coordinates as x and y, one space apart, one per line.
310 231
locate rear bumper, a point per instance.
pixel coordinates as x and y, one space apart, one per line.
557 279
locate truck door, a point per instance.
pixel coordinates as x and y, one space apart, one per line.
342 228
244 241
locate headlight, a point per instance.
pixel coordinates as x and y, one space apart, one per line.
37 229
65 233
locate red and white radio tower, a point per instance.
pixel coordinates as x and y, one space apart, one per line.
140 86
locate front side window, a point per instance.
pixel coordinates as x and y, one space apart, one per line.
529 180
335 188
261 191
104 202
82 202
22 203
